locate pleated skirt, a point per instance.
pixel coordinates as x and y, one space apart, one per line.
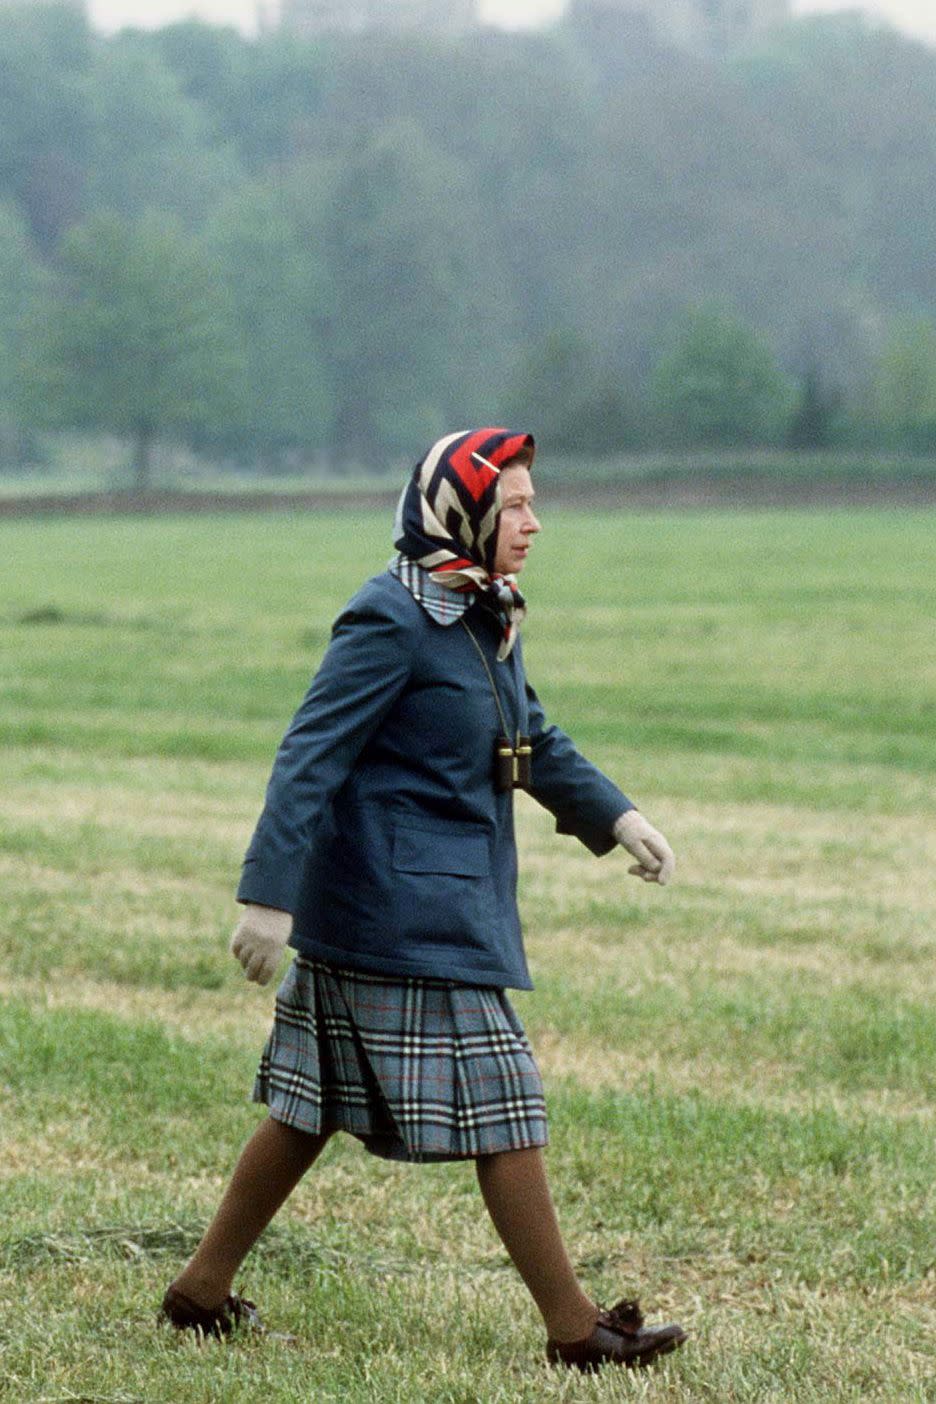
418 1069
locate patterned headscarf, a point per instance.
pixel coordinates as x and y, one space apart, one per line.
446 529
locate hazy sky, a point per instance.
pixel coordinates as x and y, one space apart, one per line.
916 16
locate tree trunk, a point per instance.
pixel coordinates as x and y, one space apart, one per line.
143 457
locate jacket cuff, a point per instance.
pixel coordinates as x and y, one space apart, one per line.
597 831
270 887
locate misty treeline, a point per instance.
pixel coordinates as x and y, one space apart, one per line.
288 252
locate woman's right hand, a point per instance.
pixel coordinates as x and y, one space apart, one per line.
259 940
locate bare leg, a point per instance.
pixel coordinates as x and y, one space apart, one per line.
272 1163
517 1196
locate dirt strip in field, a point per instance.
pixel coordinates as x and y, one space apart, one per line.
659 493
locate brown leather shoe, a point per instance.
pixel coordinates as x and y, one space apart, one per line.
619 1338
185 1315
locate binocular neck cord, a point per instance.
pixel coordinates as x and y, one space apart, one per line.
490 677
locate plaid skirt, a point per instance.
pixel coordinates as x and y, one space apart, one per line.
418 1069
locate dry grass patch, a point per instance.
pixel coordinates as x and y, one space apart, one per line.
105 885
758 888
153 815
763 1082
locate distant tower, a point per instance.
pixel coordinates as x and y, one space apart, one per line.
695 24
358 16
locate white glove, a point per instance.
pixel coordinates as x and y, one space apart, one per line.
259 940
655 859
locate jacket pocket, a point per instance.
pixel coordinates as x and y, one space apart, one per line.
455 851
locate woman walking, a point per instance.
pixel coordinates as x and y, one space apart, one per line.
385 855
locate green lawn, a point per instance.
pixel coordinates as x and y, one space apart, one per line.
741 1069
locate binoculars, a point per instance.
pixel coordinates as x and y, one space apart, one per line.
512 764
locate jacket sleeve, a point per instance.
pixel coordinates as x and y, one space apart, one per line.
582 798
365 669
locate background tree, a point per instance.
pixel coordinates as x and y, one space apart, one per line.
816 411
140 339
408 340
718 384
455 205
21 282
575 405
904 392
267 98
280 293
45 117
152 146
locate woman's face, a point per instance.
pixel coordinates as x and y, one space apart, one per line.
517 525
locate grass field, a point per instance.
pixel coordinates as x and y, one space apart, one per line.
741 1069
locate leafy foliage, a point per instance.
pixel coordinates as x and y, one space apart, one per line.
281 301
142 337
905 382
45 119
414 231
21 282
718 384
152 148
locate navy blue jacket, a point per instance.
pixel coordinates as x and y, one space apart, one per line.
382 832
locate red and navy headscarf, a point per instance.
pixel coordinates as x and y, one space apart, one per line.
446 525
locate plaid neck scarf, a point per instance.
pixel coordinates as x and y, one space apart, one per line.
446 529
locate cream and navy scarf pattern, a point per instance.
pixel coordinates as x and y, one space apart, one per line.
446 530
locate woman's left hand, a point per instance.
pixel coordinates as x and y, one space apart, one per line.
656 861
